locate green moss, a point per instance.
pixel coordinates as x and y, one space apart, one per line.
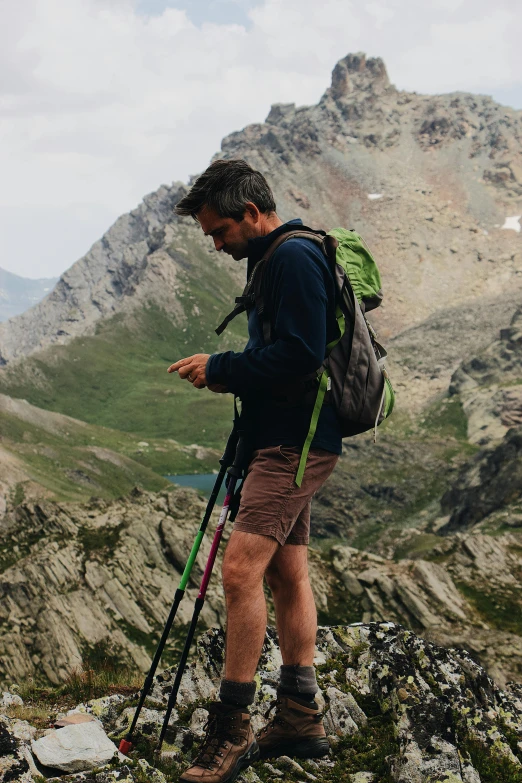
446 418
492 765
366 751
98 539
418 546
498 610
513 738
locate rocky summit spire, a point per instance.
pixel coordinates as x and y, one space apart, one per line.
355 73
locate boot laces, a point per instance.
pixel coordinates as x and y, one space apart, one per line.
218 735
277 704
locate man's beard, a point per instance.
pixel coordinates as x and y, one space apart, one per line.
236 251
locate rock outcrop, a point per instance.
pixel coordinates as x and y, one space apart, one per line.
98 285
396 708
462 593
491 482
77 577
77 581
490 385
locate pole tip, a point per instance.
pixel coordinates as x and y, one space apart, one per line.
125 747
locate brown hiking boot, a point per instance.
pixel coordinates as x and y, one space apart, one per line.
228 747
295 730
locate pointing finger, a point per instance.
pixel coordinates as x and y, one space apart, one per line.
174 367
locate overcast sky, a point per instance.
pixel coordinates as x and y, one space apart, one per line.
101 101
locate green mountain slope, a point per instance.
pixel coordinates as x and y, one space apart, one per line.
48 454
118 376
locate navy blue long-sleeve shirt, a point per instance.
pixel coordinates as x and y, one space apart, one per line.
301 294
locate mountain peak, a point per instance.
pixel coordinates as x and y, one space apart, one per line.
355 73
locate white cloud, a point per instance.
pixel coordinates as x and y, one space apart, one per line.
101 104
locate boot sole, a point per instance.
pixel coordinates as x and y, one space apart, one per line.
304 749
252 755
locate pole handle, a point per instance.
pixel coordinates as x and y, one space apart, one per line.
241 457
230 449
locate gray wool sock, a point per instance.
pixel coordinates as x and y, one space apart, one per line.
237 694
298 681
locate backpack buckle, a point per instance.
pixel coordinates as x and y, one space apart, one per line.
245 301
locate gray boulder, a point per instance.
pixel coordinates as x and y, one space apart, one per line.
75 748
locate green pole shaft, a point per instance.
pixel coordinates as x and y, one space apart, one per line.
225 461
190 562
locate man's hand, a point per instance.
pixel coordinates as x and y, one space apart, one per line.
193 369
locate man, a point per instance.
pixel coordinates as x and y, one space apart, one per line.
234 205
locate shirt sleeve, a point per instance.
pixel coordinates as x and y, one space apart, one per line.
298 302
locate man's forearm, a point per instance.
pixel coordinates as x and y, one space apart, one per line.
262 368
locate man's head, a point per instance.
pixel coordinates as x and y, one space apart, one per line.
232 203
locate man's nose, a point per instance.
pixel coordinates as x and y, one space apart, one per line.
218 243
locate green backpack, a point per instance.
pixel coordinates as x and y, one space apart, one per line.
353 376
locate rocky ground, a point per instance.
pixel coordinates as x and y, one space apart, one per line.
78 578
397 708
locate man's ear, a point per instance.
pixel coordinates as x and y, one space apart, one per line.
252 213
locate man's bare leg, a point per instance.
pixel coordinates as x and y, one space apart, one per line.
296 615
296 728
246 559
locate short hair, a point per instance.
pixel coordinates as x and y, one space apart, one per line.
226 186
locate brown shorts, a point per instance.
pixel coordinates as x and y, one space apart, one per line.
271 502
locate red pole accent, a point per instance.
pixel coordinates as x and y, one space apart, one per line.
125 747
217 539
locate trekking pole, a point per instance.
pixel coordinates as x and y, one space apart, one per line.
235 472
225 461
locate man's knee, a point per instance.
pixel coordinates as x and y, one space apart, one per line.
274 578
280 579
245 561
239 576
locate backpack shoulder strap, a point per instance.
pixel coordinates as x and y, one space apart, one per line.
242 302
303 232
253 294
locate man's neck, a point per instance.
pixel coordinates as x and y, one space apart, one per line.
270 223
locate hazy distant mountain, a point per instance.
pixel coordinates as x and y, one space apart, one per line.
18 294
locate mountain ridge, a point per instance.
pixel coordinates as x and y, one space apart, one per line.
447 170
